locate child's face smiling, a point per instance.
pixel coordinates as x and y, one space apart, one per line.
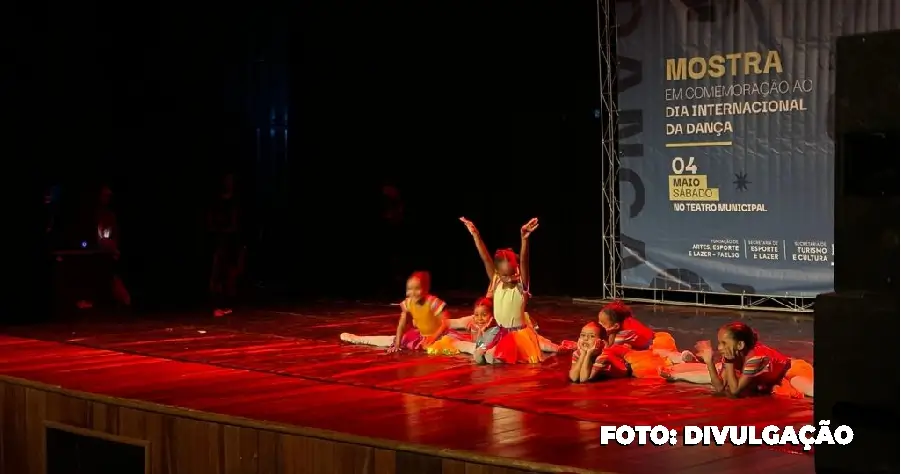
727 345
414 289
481 316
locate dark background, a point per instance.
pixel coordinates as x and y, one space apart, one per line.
482 109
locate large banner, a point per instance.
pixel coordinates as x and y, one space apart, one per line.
725 136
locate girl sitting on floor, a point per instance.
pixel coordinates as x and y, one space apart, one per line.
467 334
427 312
516 340
475 332
747 367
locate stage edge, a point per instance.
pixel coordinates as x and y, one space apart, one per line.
299 431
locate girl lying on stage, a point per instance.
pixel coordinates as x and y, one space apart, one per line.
643 349
747 367
619 345
427 312
474 332
589 360
516 340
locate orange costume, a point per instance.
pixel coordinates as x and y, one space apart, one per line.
636 347
516 340
427 322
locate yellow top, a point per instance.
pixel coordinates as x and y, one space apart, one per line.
509 305
425 314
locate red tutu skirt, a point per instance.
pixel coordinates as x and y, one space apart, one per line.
515 345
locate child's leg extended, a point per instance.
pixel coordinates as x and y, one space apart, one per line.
482 356
803 384
800 376
489 358
459 323
676 357
546 345
691 372
465 347
377 341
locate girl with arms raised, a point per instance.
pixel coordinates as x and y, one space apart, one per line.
516 340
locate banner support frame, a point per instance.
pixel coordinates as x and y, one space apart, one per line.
611 258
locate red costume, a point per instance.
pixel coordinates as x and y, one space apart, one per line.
767 366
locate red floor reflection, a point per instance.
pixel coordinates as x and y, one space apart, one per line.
304 376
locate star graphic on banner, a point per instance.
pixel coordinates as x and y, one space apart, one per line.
741 181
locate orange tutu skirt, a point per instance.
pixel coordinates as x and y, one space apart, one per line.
517 346
444 346
799 368
646 364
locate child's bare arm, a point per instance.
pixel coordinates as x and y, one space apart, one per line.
715 379
576 368
401 324
524 234
587 369
480 246
732 384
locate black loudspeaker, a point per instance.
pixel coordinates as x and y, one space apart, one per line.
866 172
856 348
856 356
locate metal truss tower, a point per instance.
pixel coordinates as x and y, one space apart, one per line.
611 259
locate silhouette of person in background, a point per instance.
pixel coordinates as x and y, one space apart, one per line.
224 221
108 239
51 196
107 229
392 223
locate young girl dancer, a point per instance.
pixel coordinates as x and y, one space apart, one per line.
627 347
590 360
427 312
476 331
468 333
747 367
515 340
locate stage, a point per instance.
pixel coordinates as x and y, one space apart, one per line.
274 391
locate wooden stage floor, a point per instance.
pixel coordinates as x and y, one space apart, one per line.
288 367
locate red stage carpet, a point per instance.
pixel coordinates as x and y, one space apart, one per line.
285 379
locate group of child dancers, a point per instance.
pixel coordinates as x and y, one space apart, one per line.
618 345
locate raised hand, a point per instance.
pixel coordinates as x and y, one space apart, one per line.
530 227
704 350
469 226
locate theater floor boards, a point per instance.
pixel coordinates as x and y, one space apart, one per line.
288 368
